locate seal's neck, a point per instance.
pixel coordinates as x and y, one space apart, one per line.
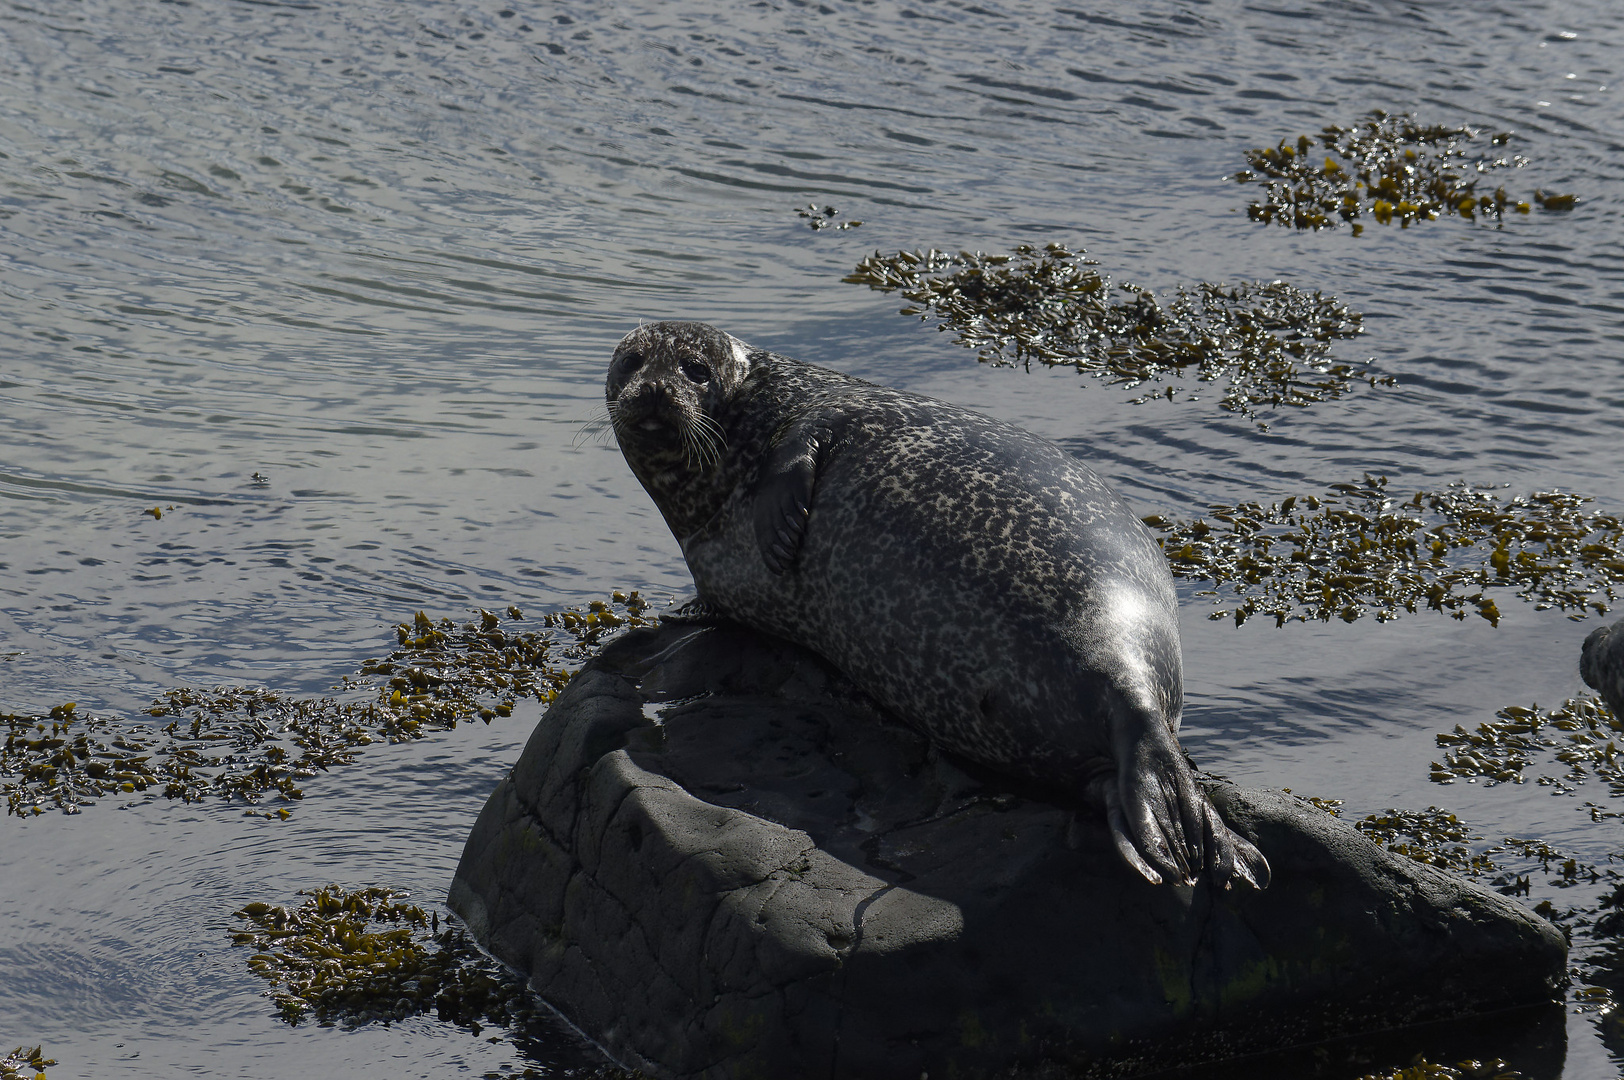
687 495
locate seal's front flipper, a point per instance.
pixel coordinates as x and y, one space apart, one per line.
783 498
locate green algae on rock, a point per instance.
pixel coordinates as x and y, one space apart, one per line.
1360 549
1581 734
1387 167
353 957
248 743
1267 342
25 1064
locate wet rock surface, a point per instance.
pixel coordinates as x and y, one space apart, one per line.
715 857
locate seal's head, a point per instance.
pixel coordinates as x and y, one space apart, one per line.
667 390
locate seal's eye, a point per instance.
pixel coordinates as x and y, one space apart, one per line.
631 362
696 371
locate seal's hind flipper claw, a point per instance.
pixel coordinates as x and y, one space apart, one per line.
1125 848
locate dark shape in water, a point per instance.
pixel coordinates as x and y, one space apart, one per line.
1268 341
1604 968
1390 167
1359 549
1601 664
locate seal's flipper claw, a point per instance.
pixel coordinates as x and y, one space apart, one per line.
1250 863
1125 848
1221 864
1154 833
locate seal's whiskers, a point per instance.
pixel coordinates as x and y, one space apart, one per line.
708 440
598 429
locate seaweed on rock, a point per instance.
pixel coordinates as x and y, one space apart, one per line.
1432 836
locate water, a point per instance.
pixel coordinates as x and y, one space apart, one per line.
378 255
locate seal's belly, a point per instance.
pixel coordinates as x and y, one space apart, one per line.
982 613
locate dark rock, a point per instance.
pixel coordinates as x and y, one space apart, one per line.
716 858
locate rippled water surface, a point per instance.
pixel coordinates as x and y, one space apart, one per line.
376 254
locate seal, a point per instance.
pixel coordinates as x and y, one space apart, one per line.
1601 664
977 581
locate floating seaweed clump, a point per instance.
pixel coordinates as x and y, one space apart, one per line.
1422 1069
355 957
25 1064
1389 167
233 741
1439 838
1268 341
445 672
1582 734
247 743
1359 549
822 217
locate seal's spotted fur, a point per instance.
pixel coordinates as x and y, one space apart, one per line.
977 580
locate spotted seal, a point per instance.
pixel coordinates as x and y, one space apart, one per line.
978 581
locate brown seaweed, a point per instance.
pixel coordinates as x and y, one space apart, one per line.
1267 343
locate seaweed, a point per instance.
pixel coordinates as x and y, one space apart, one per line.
245 744
822 217
1359 549
354 957
1269 342
1432 836
1438 838
1422 1069
1582 734
25 1064
1387 167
